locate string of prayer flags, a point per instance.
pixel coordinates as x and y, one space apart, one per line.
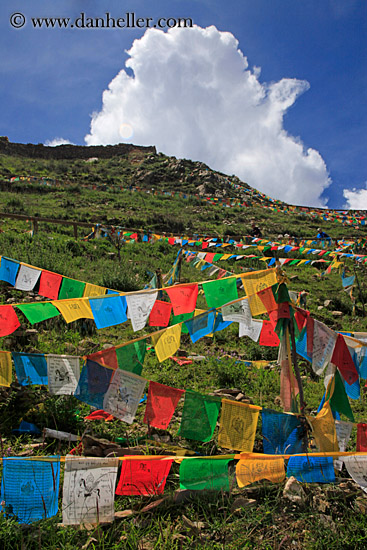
361 437
253 331
63 374
342 359
35 313
123 395
9 321
199 416
160 314
30 488
93 384
267 335
27 278
89 490
139 308
323 346
8 270
74 309
237 428
167 343
93 290
357 469
50 285
204 474
238 312
220 292
201 325
5 368
143 477
30 368
161 404
108 312
70 288
131 357
282 433
254 469
323 428
311 469
183 298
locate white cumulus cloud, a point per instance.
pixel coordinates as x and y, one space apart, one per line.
356 198
190 93
57 141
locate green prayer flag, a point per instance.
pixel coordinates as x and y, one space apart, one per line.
70 288
131 357
204 473
339 400
281 293
217 257
220 292
199 416
294 262
36 313
182 317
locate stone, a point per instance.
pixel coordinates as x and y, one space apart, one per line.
294 492
337 313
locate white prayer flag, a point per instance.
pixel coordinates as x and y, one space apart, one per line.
89 490
63 374
239 312
323 346
357 469
123 395
27 278
139 307
252 331
343 431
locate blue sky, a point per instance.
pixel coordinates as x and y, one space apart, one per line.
53 79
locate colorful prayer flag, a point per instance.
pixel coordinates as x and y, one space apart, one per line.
166 343
237 427
198 474
123 395
183 298
143 477
161 404
199 416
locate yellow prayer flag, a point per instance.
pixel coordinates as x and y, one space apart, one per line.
5 368
74 308
323 428
200 264
254 282
250 470
225 257
237 427
93 290
167 343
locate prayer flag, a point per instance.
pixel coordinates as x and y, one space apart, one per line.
343 433
357 469
30 488
93 384
123 395
161 404
139 308
5 368
50 285
339 400
109 311
201 325
93 290
311 469
70 288
89 490
220 292
160 314
8 270
30 368
250 470
342 359
253 331
323 427
361 437
282 433
74 309
9 321
37 312
323 346
143 477
131 357
200 474
27 278
238 312
167 343
288 383
183 298
267 335
237 427
63 374
255 282
199 416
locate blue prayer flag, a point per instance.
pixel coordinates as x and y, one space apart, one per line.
30 368
282 433
219 323
93 383
311 469
30 488
201 325
301 346
108 312
8 270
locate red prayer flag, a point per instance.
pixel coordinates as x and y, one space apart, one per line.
221 273
50 285
267 298
301 316
106 357
361 437
310 330
209 257
160 314
204 245
143 477
171 240
9 321
267 335
181 361
343 360
100 415
161 404
183 298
